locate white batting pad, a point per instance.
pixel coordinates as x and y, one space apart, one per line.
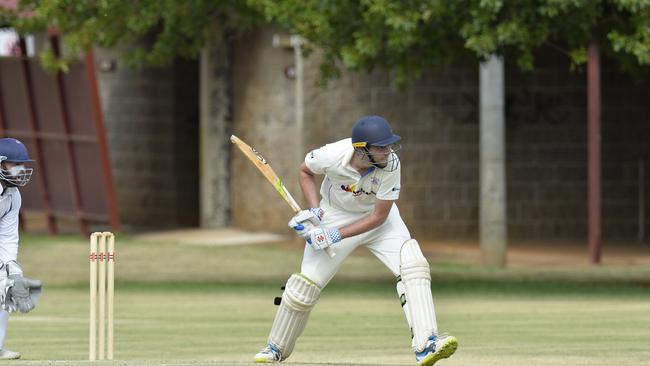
414 270
299 297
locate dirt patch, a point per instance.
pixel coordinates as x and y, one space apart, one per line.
541 253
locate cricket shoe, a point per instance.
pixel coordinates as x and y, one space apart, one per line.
269 354
6 354
437 348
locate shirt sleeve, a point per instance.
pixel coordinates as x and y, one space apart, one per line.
319 160
390 186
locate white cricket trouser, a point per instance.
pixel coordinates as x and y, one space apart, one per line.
384 242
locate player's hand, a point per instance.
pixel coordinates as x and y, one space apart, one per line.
321 238
24 294
306 220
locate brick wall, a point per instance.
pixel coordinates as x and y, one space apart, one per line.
151 118
438 119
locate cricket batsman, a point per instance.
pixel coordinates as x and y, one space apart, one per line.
356 207
17 293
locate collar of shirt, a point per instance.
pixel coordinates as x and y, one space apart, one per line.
349 169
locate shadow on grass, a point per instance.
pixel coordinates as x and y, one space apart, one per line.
441 286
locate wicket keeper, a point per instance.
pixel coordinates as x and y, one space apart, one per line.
17 293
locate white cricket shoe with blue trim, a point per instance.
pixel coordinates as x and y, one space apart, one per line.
269 354
437 348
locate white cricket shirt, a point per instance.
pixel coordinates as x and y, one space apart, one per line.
343 187
10 202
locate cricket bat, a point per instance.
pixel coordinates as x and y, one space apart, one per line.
263 166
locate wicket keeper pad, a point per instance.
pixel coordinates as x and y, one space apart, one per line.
299 297
416 277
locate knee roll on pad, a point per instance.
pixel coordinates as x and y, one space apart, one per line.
299 297
416 278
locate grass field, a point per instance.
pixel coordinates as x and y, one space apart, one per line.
182 304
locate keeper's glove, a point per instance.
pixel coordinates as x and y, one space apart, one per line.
17 293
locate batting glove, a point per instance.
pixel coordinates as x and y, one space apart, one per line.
321 238
318 212
305 220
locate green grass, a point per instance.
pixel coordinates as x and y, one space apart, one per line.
179 304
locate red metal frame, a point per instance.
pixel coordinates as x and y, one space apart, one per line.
33 123
3 128
64 135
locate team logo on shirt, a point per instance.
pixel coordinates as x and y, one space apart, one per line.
352 188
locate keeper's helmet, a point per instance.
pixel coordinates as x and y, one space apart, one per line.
13 151
375 131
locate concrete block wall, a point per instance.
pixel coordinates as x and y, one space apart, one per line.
263 114
438 119
151 118
440 152
547 151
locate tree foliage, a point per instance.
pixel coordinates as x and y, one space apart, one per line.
407 36
175 28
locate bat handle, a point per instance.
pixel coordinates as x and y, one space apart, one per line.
330 252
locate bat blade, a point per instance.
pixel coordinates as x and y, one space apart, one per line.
263 166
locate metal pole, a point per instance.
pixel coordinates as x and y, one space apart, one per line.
493 221
594 151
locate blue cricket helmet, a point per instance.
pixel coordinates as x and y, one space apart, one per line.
373 131
13 151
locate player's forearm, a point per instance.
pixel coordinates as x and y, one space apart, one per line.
308 186
361 226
